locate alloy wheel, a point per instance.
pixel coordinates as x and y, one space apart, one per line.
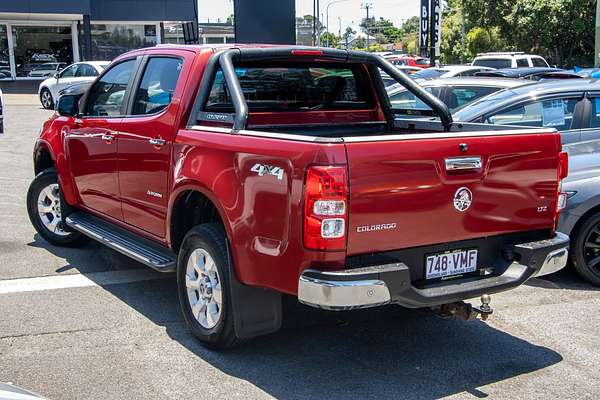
203 285
49 209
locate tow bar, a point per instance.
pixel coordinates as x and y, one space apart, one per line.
466 311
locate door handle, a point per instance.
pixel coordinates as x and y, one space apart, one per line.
463 163
108 138
157 142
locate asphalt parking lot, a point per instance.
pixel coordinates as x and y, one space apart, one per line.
89 323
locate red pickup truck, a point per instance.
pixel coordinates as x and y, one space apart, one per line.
256 171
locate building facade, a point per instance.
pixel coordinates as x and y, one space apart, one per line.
41 36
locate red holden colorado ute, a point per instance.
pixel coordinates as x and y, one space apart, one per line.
256 171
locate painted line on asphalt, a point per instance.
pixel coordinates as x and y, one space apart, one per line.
79 280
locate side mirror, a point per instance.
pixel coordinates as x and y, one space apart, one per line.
56 75
68 105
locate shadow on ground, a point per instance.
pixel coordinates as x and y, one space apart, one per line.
388 352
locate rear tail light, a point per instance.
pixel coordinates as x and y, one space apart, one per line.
561 197
325 208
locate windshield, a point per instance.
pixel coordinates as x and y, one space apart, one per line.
493 63
430 73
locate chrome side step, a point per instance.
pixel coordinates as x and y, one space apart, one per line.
136 247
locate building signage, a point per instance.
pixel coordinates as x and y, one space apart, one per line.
424 28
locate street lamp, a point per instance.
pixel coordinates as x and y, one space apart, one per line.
327 15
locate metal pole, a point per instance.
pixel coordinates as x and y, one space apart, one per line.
314 35
318 22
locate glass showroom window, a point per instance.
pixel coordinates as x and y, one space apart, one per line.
4 57
174 33
111 40
42 51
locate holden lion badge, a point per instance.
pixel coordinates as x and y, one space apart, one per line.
463 199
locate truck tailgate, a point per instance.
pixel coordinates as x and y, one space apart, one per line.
405 193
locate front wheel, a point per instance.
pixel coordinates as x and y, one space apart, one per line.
46 99
203 269
585 250
44 208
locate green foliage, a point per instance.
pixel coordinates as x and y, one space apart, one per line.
560 30
330 39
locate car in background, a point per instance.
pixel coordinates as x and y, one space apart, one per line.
581 218
534 74
454 92
449 71
561 104
587 72
46 69
75 73
409 61
509 60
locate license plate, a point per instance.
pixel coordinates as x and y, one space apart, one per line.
448 264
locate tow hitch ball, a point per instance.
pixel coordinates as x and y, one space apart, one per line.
466 311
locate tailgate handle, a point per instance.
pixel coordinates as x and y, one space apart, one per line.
463 163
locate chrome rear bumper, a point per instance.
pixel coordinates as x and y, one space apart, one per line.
391 283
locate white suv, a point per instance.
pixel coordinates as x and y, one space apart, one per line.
509 60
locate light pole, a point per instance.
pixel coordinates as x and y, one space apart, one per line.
340 31
327 15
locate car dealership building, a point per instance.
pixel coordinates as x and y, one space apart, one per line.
37 34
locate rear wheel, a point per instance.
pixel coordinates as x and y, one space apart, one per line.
586 250
46 99
203 269
44 207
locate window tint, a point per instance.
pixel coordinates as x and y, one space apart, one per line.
86 70
69 72
522 62
405 100
294 88
460 96
493 63
106 96
157 85
555 113
538 62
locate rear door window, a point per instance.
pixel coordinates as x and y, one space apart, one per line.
157 86
539 62
293 87
522 63
554 113
493 63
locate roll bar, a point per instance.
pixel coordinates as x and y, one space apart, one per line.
225 59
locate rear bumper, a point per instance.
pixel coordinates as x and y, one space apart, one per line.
391 283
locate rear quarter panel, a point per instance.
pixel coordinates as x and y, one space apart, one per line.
262 214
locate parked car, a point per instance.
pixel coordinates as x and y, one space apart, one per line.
449 71
410 61
454 92
74 73
558 104
509 60
46 69
255 171
581 217
534 74
587 72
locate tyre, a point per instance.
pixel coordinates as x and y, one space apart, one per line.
46 99
203 268
585 249
44 207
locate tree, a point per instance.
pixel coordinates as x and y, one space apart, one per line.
348 34
328 38
483 40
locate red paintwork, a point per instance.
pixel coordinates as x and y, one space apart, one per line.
263 216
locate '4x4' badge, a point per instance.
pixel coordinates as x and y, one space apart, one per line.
264 169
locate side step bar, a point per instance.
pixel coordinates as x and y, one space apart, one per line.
136 247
